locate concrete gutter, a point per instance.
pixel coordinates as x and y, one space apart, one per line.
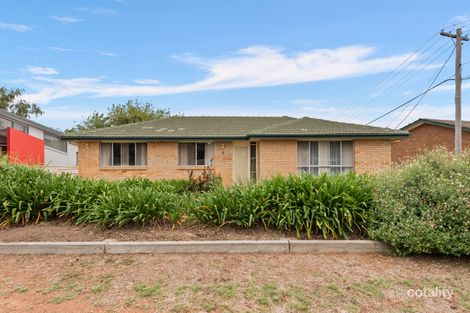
220 246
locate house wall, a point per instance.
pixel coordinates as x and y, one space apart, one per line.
54 157
36 132
162 163
426 137
274 157
372 156
23 148
277 157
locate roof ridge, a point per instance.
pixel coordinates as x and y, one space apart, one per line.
274 125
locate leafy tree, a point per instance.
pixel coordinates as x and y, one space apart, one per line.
11 101
131 111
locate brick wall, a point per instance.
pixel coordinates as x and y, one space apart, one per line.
426 137
277 157
274 157
371 156
162 162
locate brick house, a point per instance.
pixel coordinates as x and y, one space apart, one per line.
426 134
240 149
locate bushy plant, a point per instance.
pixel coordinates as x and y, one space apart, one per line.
206 181
423 206
333 205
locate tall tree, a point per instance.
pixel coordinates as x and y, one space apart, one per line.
11 101
131 111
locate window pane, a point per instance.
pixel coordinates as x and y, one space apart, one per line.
116 154
335 153
313 153
335 170
191 154
20 127
183 153
201 153
5 123
55 142
348 153
253 161
324 154
209 151
131 156
125 154
302 153
105 154
303 170
347 169
141 154
314 170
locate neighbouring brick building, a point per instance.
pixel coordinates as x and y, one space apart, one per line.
240 149
426 134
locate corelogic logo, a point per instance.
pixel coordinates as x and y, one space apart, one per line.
435 292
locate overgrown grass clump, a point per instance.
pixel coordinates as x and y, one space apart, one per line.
330 205
423 206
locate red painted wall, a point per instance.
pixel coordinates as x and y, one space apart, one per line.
23 148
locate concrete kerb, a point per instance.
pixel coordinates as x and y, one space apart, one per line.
222 246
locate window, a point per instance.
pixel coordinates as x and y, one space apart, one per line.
4 123
55 142
253 161
20 127
196 153
123 154
318 157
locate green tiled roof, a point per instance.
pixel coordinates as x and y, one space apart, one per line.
232 127
436 122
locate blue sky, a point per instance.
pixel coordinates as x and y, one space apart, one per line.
321 59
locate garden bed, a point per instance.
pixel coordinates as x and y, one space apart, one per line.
65 231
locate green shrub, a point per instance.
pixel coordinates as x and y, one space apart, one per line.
332 205
424 206
134 205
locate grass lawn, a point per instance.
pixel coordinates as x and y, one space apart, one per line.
233 283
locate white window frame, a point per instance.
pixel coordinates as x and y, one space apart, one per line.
342 167
196 143
135 154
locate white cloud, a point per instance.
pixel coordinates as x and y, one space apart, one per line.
147 81
98 11
40 70
16 27
103 53
61 113
107 54
308 102
67 19
257 66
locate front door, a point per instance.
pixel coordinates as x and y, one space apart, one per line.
241 170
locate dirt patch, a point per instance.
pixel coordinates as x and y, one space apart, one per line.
232 283
65 231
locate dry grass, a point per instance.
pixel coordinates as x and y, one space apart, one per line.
231 283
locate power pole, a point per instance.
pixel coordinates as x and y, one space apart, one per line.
458 86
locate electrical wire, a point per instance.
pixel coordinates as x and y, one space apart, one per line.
411 100
429 85
392 75
411 74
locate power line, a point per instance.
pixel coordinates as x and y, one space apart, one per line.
392 75
430 84
411 100
412 73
